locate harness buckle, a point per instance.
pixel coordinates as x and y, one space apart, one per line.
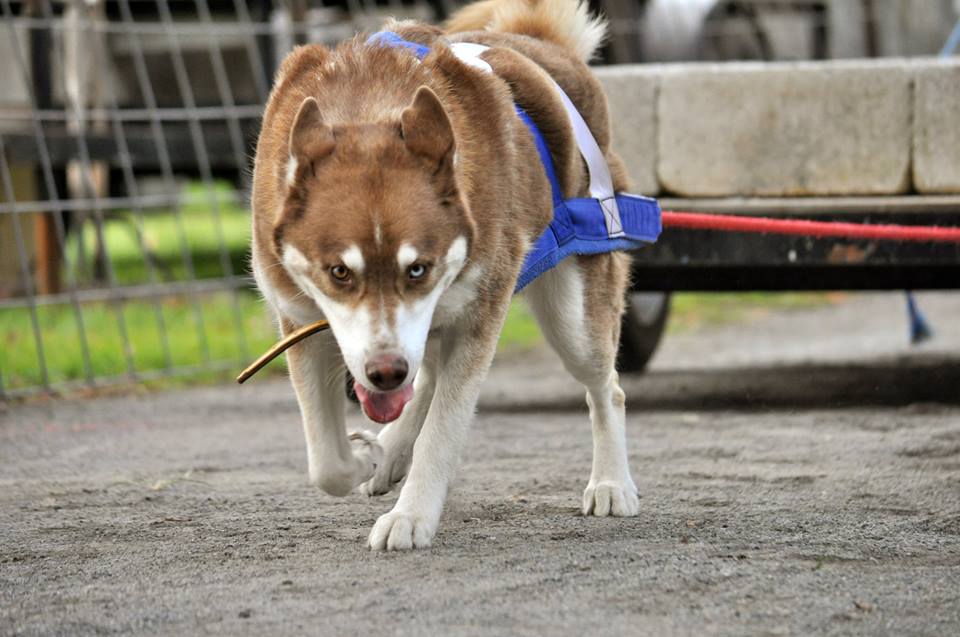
611 217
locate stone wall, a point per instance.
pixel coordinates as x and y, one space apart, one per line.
849 128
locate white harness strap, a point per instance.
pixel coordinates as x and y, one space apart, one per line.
601 183
469 53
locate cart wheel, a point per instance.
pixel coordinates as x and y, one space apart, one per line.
641 329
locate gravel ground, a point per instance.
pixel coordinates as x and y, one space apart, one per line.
799 472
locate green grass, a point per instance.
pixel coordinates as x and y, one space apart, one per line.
197 332
174 244
205 329
520 332
691 311
145 323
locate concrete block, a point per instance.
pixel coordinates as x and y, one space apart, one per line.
936 128
632 93
838 128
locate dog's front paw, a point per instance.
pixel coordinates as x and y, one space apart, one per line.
367 451
609 497
401 531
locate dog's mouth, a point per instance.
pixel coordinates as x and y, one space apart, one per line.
383 406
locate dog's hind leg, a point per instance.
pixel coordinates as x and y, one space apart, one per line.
578 305
398 438
337 462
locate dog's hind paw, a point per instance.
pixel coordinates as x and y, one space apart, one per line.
608 497
367 450
388 475
397 446
401 531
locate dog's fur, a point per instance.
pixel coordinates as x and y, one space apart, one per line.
397 199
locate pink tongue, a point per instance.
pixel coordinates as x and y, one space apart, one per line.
383 407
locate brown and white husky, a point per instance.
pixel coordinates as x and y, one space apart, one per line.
397 199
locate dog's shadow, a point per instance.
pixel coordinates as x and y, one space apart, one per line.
895 382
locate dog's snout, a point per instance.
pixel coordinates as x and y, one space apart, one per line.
386 372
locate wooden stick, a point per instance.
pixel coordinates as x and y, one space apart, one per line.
278 348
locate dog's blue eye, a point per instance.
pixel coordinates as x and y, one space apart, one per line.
416 271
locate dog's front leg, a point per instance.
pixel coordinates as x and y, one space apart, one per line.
464 363
337 463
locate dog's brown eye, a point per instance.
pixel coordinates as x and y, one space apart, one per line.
340 272
416 271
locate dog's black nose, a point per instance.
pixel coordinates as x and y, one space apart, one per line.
386 372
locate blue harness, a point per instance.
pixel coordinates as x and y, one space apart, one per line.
581 225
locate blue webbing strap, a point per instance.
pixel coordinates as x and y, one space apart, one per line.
545 157
391 39
641 225
578 225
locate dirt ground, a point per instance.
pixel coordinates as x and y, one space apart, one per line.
799 472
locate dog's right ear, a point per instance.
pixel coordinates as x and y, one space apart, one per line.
310 137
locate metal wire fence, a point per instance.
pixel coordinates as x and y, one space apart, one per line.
126 131
126 134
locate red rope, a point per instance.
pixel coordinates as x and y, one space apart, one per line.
805 227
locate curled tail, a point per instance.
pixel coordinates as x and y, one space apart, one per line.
568 23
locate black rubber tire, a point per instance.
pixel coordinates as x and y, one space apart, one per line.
640 332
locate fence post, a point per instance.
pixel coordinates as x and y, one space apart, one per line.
48 255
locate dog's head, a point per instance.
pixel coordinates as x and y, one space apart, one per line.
374 230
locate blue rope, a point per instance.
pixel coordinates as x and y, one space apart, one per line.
951 44
920 329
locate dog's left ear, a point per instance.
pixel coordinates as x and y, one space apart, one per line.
426 128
